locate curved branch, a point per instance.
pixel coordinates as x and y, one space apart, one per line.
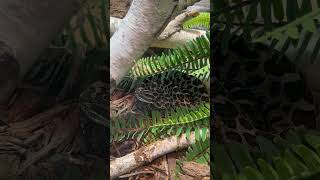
176 39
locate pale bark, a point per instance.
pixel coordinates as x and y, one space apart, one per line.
202 6
195 170
177 39
27 28
147 154
144 22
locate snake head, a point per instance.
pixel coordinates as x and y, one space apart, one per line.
93 102
144 95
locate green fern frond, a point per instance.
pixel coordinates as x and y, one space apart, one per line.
192 56
246 11
202 74
201 21
95 13
307 22
299 33
182 120
276 18
198 152
175 122
295 157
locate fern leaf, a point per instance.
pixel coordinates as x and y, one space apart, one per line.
291 28
298 159
175 122
201 21
193 53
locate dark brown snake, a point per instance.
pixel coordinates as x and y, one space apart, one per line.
161 92
169 90
257 90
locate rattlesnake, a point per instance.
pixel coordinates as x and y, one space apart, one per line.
257 90
160 92
169 90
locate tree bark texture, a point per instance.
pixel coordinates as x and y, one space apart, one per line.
177 39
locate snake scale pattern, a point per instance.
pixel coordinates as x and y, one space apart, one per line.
258 91
168 90
160 92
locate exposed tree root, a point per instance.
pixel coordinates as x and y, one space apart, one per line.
28 142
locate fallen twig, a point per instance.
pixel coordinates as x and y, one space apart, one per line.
136 173
147 154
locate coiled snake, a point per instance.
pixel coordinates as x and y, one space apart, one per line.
161 92
257 90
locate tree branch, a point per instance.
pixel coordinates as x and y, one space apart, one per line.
176 39
149 153
137 32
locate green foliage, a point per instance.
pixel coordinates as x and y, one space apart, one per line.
198 152
297 156
302 29
202 21
175 122
306 22
91 23
190 57
283 24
